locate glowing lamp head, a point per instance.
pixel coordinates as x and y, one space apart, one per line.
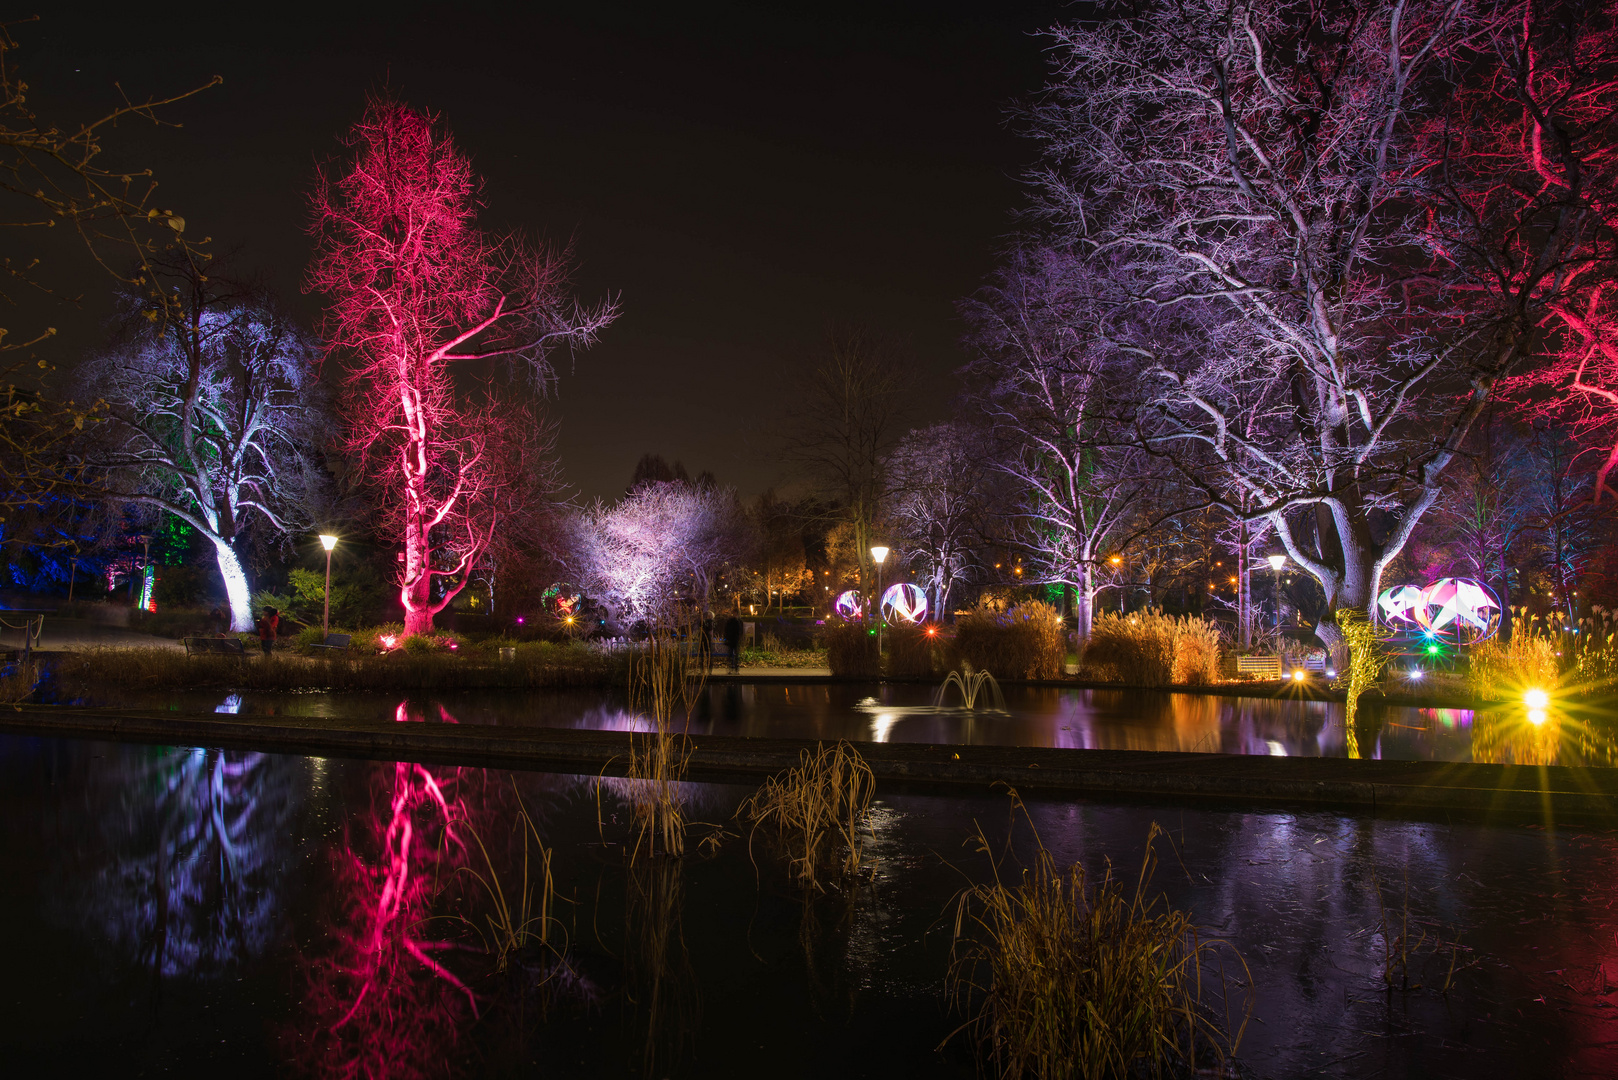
1276 562
389 640
1416 674
454 645
1299 675
1536 699
568 620
879 555
932 631
1116 559
519 620
328 541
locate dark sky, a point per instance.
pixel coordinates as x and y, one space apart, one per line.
743 177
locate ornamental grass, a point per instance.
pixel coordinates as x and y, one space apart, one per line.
1063 978
851 649
1505 669
1026 642
1149 648
913 652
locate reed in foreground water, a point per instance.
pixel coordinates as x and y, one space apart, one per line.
1063 978
665 676
815 809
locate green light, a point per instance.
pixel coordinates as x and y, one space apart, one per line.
1432 649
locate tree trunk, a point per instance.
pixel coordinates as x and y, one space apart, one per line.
241 602
416 591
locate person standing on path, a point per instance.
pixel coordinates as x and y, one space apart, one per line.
733 642
267 624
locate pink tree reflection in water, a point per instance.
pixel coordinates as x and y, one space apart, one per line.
387 1003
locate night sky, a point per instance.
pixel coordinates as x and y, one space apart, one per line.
743 177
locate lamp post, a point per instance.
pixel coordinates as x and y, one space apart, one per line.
327 541
879 555
1276 562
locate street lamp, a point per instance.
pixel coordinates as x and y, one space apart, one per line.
327 541
1276 562
879 555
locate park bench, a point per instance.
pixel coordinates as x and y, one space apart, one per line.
214 646
335 642
1265 667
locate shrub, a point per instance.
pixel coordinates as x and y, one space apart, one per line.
851 649
1149 648
1026 642
914 652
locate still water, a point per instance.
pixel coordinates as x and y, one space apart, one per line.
1033 716
175 910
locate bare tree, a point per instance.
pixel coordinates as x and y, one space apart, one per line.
211 414
847 416
1252 173
938 504
1051 376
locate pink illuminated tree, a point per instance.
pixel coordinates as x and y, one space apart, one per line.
420 299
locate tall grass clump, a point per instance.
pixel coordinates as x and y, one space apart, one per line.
816 809
1064 978
851 649
1528 661
913 652
1026 642
519 915
666 675
1593 652
18 680
1149 648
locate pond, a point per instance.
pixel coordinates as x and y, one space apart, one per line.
1033 716
181 909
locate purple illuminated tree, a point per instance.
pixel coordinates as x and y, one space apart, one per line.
420 300
938 506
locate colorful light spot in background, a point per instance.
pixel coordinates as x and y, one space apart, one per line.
562 600
850 605
904 603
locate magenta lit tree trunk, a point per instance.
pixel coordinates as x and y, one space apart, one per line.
420 302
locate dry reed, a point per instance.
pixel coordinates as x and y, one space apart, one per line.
1149 648
913 652
665 675
1529 660
1067 979
827 795
1026 642
851 649
511 930
18 681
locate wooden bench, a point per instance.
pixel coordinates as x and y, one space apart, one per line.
214 646
335 642
1265 667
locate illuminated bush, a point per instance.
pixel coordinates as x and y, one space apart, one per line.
1026 642
1528 661
1149 648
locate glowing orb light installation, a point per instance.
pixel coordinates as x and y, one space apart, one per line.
1456 611
1459 610
1398 606
850 605
904 603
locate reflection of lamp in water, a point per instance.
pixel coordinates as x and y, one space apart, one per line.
881 724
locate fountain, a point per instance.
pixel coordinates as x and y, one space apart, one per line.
971 684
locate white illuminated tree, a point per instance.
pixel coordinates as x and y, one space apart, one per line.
211 416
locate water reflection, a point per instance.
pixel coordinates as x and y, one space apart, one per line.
195 844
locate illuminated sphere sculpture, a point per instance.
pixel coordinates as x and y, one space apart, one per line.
850 605
1459 611
904 603
1397 608
561 598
